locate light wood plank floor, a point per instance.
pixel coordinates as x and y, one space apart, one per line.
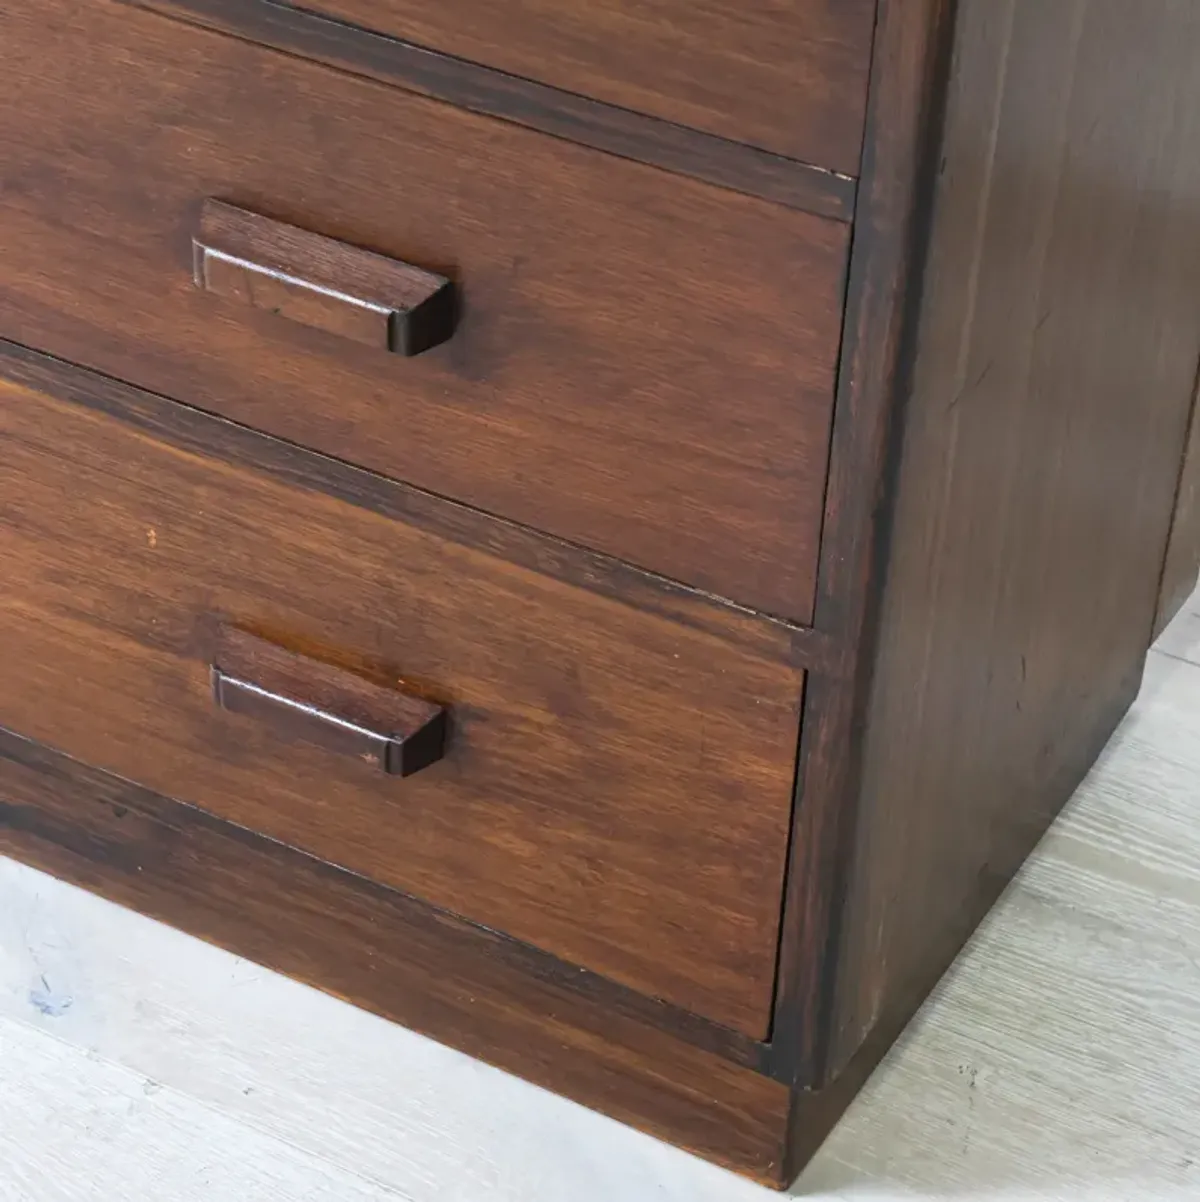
1060 1059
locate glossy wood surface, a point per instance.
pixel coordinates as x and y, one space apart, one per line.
617 786
319 282
790 78
607 127
1040 456
306 700
607 382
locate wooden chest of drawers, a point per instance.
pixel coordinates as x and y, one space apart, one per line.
604 533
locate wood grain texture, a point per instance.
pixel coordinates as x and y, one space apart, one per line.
1181 570
465 986
908 82
606 382
191 430
1013 398
320 282
1041 447
1059 1062
306 699
1060 1059
606 127
618 786
789 79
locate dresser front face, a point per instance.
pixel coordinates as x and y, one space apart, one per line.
497 519
642 364
432 507
791 78
616 786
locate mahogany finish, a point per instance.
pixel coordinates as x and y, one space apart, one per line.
320 283
314 702
892 221
617 787
619 131
689 860
790 78
463 984
1044 428
591 294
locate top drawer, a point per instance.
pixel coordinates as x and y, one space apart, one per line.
643 364
788 77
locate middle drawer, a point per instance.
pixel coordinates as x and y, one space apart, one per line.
642 364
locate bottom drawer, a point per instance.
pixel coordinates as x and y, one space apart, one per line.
616 778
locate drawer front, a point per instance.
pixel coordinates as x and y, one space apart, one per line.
642 364
614 781
791 78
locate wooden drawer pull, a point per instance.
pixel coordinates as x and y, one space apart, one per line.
321 283
317 703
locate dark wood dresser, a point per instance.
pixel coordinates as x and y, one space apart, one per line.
603 532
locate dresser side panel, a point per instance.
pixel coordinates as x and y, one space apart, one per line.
1056 358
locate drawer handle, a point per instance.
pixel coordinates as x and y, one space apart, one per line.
321 283
316 703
